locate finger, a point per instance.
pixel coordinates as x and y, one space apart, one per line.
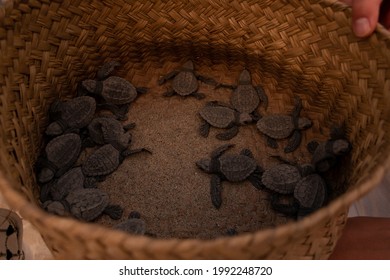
365 14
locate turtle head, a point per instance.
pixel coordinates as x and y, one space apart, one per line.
134 215
89 85
45 175
189 65
204 164
245 118
304 123
54 129
245 78
341 147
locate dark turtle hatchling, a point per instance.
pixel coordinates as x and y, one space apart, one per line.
246 97
326 154
281 178
106 130
310 192
220 115
279 126
106 70
104 161
309 195
89 204
185 81
116 92
133 225
61 153
71 115
71 180
233 168
60 208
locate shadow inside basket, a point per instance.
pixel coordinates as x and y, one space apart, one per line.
166 187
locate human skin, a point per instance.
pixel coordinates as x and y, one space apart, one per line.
367 13
364 238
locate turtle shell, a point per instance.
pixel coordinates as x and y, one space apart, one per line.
281 178
218 116
276 126
245 99
79 111
117 90
103 161
322 159
311 191
132 225
107 130
185 83
63 150
71 180
236 168
87 204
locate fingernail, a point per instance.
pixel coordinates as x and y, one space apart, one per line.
361 27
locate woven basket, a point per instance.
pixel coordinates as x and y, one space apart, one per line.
297 47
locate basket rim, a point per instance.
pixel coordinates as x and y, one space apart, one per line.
32 212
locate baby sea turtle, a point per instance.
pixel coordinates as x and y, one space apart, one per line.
107 130
309 195
116 92
233 168
325 154
71 115
220 115
89 204
61 153
281 178
185 81
104 161
279 126
246 97
133 225
71 180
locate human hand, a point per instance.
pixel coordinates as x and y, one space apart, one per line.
367 13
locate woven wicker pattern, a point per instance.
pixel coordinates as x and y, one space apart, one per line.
302 47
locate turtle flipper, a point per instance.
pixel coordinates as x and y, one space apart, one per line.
141 90
167 77
221 85
246 152
106 70
229 134
169 93
206 80
198 95
271 142
263 97
255 178
127 153
297 109
294 142
129 126
216 191
204 129
255 116
114 211
216 103
312 146
220 150
288 209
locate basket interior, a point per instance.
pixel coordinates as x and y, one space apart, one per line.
51 47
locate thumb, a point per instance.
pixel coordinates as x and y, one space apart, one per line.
365 14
